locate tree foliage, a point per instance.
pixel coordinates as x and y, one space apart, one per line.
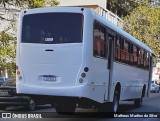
144 24
29 3
7 52
124 7
41 3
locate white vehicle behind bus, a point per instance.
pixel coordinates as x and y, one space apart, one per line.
154 86
73 57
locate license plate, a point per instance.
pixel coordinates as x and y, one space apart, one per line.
4 93
49 78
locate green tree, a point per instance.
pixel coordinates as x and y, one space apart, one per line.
29 3
124 7
41 3
7 52
144 24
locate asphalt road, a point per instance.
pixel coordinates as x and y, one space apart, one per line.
150 105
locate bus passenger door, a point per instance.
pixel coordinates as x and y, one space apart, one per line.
110 39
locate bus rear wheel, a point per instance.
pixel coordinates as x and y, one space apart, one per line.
31 105
115 104
65 107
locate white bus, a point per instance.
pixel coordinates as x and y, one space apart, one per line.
73 57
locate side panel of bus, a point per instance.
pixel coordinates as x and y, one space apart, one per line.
133 79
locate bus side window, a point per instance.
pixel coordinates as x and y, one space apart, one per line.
140 57
131 54
126 50
117 48
135 55
122 50
99 40
147 61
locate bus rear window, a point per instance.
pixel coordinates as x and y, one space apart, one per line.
52 28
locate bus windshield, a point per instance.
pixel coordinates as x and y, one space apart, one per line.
52 28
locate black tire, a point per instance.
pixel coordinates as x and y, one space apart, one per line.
138 102
31 105
65 107
114 106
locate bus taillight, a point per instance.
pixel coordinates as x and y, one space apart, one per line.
81 80
18 73
86 69
83 75
20 78
16 67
